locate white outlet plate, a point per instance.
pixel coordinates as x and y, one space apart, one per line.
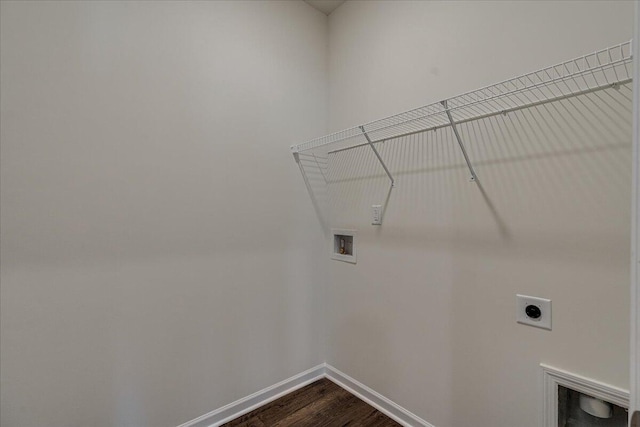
376 214
544 321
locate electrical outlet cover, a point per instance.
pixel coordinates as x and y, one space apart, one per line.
533 311
376 215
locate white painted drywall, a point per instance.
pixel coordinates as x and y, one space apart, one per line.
158 244
634 409
427 316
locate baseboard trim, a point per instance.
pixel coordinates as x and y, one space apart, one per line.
247 404
375 399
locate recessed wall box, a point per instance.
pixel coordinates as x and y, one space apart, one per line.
573 400
343 245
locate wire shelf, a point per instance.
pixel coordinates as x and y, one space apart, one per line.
602 69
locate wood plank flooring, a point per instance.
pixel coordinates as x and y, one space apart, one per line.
320 404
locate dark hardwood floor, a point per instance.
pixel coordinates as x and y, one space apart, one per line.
321 403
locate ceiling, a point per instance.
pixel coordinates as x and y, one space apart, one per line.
325 6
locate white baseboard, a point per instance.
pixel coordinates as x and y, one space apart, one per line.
247 404
375 399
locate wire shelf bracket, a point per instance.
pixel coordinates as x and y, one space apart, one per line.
373 147
474 177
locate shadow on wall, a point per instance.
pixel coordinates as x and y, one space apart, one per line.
364 334
559 174
549 215
533 143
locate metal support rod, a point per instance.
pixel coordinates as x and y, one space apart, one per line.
474 177
373 147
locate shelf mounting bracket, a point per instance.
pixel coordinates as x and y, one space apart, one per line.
474 177
373 147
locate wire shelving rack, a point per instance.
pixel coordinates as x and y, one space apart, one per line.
606 68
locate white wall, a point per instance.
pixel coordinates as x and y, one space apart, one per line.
161 258
158 244
634 409
427 316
